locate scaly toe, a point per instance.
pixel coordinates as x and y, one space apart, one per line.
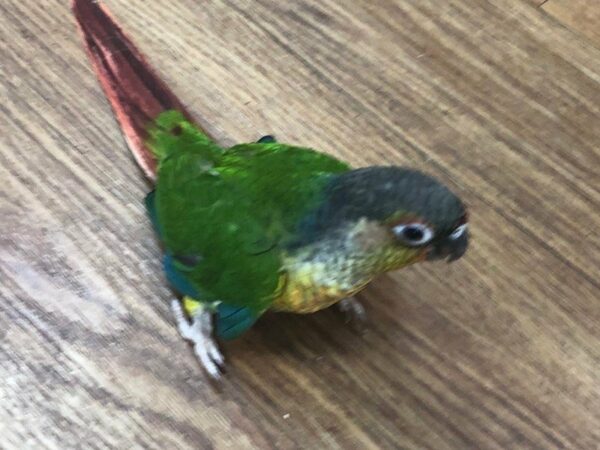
184 327
199 332
355 314
215 354
203 354
353 310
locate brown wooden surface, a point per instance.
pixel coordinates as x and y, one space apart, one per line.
582 16
498 351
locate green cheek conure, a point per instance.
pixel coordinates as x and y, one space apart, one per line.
265 225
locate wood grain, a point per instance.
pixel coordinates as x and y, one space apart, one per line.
581 16
498 351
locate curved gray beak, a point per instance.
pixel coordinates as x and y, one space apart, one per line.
449 248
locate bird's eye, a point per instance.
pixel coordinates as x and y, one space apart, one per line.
413 233
458 231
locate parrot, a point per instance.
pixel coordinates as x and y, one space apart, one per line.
261 226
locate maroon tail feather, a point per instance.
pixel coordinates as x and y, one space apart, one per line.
135 92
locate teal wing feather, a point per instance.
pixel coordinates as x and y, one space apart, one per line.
234 209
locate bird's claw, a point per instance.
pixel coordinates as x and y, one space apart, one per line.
354 312
268 139
199 332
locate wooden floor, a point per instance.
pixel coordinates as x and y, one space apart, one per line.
498 98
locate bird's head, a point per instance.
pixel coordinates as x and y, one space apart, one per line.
400 213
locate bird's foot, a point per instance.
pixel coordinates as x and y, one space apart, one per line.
200 333
354 312
268 139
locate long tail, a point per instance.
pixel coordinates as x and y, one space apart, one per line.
135 92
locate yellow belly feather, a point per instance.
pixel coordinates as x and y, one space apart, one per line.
309 288
318 277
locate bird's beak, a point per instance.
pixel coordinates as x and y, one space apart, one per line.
449 248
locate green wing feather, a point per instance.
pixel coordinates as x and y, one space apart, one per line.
233 208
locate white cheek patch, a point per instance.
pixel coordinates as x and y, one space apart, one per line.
459 231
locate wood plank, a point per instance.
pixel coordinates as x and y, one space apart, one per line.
498 351
581 16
